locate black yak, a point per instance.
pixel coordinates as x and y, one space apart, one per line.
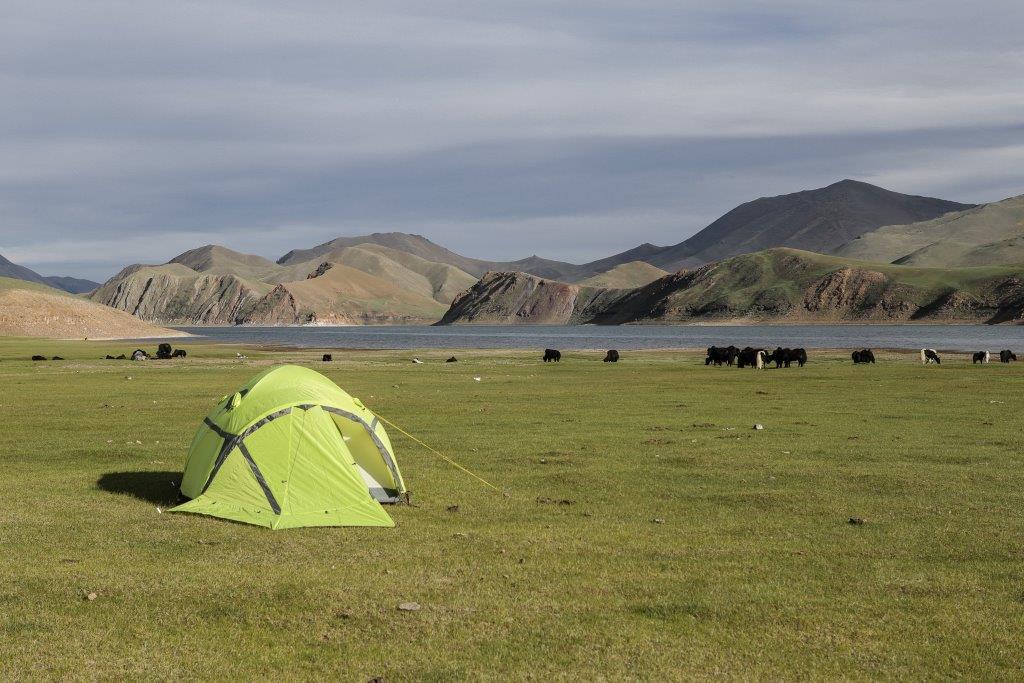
1006 355
980 357
863 356
612 356
721 354
784 357
179 353
552 355
453 359
163 351
327 358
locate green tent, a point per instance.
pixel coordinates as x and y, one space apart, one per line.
291 449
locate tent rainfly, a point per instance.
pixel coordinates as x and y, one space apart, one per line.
291 449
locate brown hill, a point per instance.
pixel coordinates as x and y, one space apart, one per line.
336 294
626 276
213 285
32 310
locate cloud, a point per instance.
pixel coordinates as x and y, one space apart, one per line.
481 123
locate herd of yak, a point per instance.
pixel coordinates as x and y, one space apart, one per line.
163 352
750 357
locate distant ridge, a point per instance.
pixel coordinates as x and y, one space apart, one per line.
418 245
13 270
818 220
72 285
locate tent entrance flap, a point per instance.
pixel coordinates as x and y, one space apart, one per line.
377 490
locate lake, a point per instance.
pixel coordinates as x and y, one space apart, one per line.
943 337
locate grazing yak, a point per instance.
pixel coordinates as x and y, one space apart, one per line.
784 357
552 355
612 356
163 351
721 354
179 353
930 356
980 357
1006 355
327 358
863 356
453 359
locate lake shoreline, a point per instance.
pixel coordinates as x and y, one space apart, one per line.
952 338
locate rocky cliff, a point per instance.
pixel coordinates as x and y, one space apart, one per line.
176 294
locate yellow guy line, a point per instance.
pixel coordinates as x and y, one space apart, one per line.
436 452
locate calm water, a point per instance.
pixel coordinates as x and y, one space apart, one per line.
942 337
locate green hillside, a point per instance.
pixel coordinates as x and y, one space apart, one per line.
797 285
991 234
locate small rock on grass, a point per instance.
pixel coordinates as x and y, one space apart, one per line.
91 596
452 508
408 606
856 521
759 426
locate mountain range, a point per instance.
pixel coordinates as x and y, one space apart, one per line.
779 284
848 227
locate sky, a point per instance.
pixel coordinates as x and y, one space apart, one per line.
132 131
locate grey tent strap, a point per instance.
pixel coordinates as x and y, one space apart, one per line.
259 478
232 440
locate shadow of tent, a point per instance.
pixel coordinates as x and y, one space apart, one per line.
158 488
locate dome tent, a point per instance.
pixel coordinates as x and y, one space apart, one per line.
291 449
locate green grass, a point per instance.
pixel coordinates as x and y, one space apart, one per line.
755 572
13 283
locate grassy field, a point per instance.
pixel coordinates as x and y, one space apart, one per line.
752 572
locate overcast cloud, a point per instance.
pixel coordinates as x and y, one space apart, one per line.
134 130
